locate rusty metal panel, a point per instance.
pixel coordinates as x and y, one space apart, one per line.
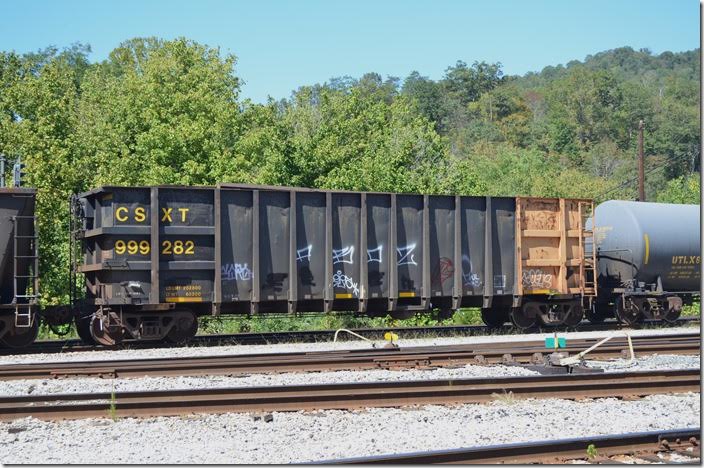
551 245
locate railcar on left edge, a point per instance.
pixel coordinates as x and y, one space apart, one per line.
19 273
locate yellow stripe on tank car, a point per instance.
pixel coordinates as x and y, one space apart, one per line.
647 249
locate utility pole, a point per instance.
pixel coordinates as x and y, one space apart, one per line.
641 164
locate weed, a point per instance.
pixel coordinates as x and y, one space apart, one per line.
505 398
112 411
592 451
693 310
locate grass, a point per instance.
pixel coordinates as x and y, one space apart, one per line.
220 325
112 410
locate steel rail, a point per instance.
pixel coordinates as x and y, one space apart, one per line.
550 451
346 395
313 336
427 356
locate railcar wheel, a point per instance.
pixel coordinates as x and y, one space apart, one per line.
574 315
628 313
521 320
106 336
184 328
83 328
494 318
19 337
673 309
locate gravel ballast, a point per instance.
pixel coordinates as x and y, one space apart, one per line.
51 386
40 387
324 435
648 363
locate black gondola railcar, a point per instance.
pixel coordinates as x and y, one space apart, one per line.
155 258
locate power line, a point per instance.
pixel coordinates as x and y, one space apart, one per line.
635 179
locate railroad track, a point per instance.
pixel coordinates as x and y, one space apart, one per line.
313 336
527 352
642 445
345 395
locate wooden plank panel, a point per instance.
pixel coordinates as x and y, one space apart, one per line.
540 233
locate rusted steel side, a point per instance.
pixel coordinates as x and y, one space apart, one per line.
550 242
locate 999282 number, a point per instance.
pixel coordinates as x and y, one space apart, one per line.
176 247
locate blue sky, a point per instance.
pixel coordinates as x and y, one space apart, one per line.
281 45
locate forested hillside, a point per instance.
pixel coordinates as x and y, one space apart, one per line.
163 112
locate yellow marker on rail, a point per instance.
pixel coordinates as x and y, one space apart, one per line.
391 337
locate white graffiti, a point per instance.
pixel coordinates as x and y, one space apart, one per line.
340 280
537 279
468 277
303 255
499 281
344 255
471 279
405 255
374 255
236 271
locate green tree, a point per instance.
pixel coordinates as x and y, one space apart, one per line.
40 93
159 112
684 189
468 83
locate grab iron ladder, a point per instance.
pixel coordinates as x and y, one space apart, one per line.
588 264
24 300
